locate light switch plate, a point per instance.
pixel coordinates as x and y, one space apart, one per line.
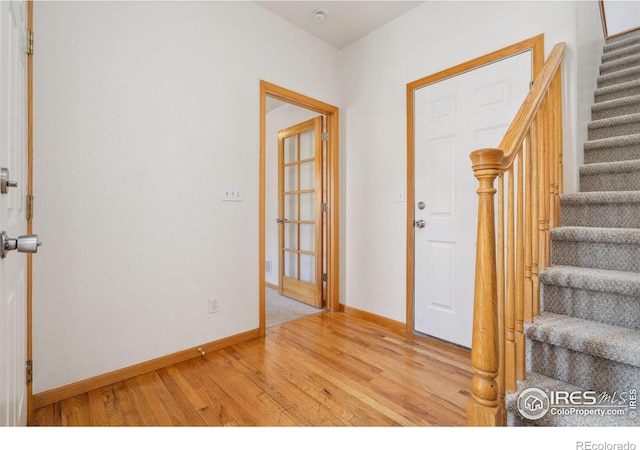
231 194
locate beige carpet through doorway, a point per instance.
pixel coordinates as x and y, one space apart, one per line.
280 309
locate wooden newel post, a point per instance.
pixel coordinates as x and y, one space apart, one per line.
485 407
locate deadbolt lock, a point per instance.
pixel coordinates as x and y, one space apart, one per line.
4 180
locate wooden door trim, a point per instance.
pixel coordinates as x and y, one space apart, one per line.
29 218
333 190
536 45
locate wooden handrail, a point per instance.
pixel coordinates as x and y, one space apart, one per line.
517 131
507 287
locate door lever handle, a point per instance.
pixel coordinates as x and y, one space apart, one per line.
24 244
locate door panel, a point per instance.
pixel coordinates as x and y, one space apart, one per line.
13 156
452 118
300 211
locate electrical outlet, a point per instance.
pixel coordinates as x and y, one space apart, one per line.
214 305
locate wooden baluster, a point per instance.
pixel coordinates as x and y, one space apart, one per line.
528 257
500 286
556 89
484 408
510 310
535 210
519 306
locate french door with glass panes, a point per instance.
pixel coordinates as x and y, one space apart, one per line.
300 211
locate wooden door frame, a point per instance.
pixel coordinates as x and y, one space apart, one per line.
333 184
536 45
29 216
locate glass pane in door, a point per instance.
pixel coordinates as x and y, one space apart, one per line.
307 144
290 149
307 268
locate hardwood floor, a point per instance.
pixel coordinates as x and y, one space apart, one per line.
329 369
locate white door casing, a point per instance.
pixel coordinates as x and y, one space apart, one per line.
13 268
452 118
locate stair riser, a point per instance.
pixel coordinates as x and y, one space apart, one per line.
611 154
612 215
614 181
581 369
596 255
621 129
617 94
603 307
629 108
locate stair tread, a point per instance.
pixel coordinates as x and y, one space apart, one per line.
597 234
601 280
548 384
597 339
613 46
625 166
618 86
610 121
610 66
613 53
615 141
601 197
607 77
616 102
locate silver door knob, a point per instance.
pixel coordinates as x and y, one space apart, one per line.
4 180
280 220
420 223
24 244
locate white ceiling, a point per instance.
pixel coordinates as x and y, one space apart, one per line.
346 21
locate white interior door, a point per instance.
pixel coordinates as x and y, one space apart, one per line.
13 156
453 117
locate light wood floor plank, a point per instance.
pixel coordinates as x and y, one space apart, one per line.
329 369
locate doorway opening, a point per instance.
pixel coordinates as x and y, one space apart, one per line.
299 220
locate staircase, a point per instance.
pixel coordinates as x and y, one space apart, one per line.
587 337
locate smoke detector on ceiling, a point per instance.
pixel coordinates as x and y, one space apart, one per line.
320 16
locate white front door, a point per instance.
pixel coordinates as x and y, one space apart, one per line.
13 267
453 117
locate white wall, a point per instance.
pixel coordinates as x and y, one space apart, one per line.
283 117
375 72
589 46
143 112
621 15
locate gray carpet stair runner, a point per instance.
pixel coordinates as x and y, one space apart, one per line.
587 337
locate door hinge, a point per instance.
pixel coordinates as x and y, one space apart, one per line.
325 207
324 277
29 48
325 137
29 207
29 371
